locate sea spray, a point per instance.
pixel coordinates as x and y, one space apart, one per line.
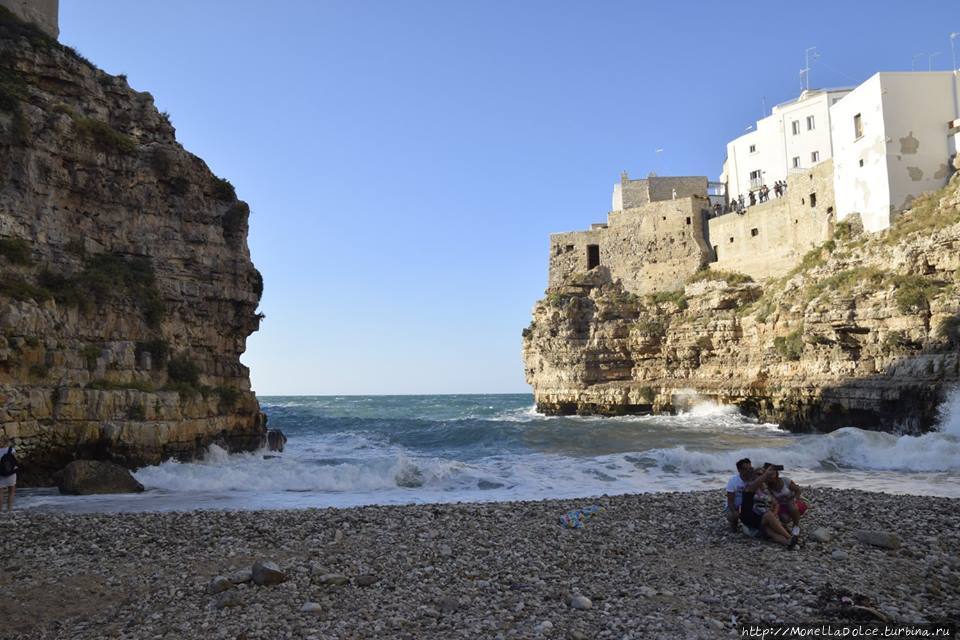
949 422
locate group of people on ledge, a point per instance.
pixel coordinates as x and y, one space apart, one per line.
740 203
765 503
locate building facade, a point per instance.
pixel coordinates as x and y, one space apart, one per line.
795 137
893 138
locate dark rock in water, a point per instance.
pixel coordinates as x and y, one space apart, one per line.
487 484
276 440
85 477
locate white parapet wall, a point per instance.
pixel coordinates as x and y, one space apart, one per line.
43 13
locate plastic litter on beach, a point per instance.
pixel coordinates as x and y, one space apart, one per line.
577 518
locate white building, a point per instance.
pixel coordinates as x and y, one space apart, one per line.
794 137
893 137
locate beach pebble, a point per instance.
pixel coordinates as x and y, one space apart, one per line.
820 535
218 584
226 599
366 580
543 627
647 591
241 576
448 604
580 602
333 579
311 607
882 539
266 573
839 554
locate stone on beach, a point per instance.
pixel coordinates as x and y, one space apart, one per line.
820 534
218 584
882 539
87 477
311 607
578 601
266 573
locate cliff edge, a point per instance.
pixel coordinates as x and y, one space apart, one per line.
864 332
127 291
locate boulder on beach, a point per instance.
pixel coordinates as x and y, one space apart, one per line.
882 539
266 573
86 477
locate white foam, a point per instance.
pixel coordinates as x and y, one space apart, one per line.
950 414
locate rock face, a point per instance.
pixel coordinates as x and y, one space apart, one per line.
87 477
865 332
126 286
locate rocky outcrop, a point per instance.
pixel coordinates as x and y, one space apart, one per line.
126 286
88 477
865 332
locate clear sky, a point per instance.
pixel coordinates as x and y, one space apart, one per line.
405 161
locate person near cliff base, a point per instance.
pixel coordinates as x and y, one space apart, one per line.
8 476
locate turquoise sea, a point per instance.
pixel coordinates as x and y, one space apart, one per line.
353 450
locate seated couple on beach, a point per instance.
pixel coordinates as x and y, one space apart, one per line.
765 503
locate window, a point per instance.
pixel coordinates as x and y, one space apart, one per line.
795 126
754 232
755 178
689 221
857 127
861 162
753 148
815 157
813 199
593 256
810 123
796 162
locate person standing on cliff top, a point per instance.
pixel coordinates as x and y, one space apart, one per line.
8 475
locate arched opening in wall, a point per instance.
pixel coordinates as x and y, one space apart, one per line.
688 220
593 256
716 252
813 199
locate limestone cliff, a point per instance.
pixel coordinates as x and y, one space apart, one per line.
865 332
126 286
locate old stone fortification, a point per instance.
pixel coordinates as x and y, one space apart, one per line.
864 332
630 194
654 247
126 287
45 14
769 239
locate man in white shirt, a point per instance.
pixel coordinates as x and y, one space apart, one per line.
735 488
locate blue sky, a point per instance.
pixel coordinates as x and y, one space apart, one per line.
405 162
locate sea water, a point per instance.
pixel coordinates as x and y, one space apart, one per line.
356 450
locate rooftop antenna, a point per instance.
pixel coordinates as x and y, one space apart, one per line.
913 61
809 55
953 54
930 57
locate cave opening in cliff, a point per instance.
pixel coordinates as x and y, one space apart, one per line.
593 256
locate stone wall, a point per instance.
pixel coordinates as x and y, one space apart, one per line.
630 194
770 238
651 248
43 13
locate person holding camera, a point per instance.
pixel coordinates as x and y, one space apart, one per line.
786 495
755 512
8 475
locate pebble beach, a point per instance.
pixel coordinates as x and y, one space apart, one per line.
649 565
